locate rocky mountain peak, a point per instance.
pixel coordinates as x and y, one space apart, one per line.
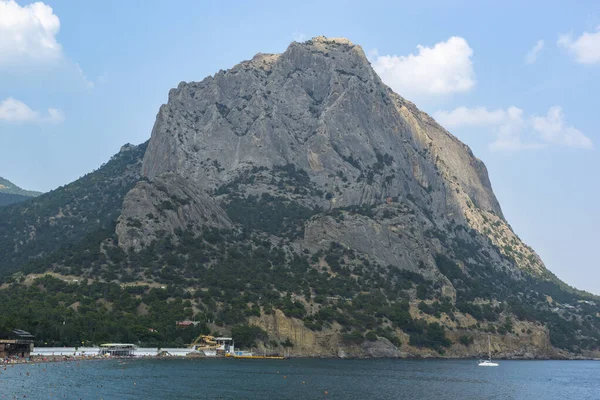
319 110
319 105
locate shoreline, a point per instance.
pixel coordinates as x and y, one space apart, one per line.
57 359
63 354
42 359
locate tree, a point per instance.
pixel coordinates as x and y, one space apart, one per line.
245 336
466 340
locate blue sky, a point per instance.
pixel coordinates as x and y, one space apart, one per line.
517 82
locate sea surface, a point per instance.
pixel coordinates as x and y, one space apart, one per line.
301 379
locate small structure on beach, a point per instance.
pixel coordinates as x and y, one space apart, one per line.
117 349
16 343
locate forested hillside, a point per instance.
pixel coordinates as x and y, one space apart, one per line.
65 215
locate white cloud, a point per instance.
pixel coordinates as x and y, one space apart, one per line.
533 54
514 131
15 111
28 34
510 131
585 49
29 48
507 124
12 110
88 84
463 116
55 116
442 69
553 129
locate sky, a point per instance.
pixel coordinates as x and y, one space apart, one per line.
516 81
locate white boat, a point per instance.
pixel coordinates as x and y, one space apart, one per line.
488 362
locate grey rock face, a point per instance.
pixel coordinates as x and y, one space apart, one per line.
381 348
321 107
153 210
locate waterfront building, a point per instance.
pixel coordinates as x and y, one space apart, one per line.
16 343
117 349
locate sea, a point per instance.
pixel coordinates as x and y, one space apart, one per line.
182 378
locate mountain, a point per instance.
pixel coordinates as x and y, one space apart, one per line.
66 215
7 186
294 201
11 193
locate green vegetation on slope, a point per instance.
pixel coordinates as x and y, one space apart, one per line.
65 215
60 313
574 323
8 187
9 198
228 276
231 276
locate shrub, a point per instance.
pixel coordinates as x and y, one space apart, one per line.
246 336
466 340
354 337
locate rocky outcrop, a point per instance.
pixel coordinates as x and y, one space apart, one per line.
154 210
530 341
327 343
321 107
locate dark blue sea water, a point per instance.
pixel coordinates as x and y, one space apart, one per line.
302 379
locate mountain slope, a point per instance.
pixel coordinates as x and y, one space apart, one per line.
65 215
7 186
299 194
9 198
11 193
310 148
